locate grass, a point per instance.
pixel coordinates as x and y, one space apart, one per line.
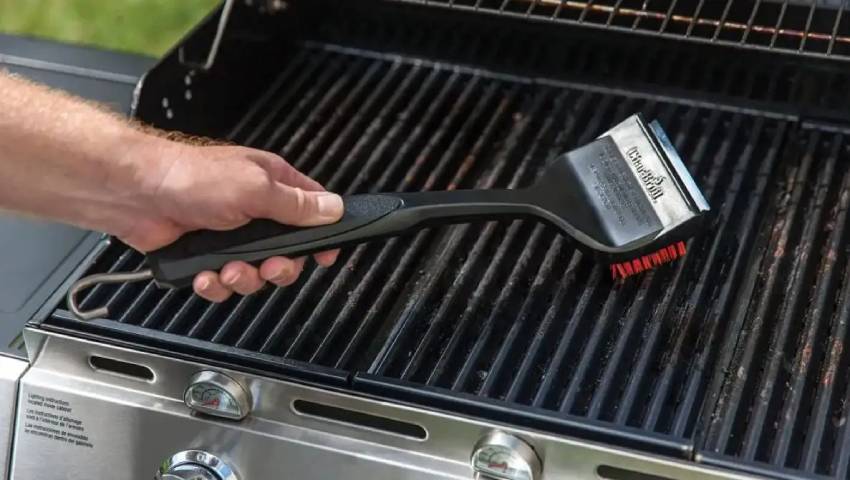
141 26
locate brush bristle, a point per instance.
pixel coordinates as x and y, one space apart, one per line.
649 261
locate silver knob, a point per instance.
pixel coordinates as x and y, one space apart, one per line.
500 456
215 393
190 472
194 465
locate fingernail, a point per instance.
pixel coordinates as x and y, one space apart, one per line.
281 276
330 206
231 278
204 284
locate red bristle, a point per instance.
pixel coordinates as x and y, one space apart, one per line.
649 261
621 271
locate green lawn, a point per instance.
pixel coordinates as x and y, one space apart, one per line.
141 26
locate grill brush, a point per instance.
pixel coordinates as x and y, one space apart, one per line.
626 197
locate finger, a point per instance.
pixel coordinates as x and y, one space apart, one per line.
281 171
326 259
295 206
207 285
281 271
241 278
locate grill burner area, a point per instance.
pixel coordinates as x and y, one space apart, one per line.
733 355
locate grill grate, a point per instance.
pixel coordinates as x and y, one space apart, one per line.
812 28
509 314
785 402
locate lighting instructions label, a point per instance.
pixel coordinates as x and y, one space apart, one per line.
53 419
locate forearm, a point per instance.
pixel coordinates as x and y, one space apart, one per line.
67 160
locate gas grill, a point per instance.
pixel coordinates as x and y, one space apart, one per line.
492 349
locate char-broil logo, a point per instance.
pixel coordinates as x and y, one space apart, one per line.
650 179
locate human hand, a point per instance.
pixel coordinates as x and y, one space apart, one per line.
221 188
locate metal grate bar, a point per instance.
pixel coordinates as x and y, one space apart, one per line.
374 129
423 349
773 279
521 389
750 22
693 291
610 384
444 162
158 313
795 274
694 20
837 366
587 7
638 17
429 339
821 383
283 81
808 27
714 261
329 129
835 27
776 29
636 385
447 242
613 13
274 301
232 316
455 353
667 16
367 112
347 275
514 344
448 121
461 326
134 310
577 394
287 90
334 102
330 75
741 256
722 23
813 230
185 300
589 344
354 305
367 90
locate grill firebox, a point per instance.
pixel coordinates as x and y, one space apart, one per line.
733 355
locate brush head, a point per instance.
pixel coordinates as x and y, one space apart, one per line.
626 196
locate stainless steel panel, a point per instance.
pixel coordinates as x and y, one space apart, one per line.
11 370
134 425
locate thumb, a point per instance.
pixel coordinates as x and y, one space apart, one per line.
294 206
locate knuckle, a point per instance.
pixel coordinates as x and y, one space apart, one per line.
302 205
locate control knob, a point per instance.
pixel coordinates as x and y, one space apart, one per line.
194 465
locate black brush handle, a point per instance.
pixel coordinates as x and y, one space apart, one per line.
367 217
